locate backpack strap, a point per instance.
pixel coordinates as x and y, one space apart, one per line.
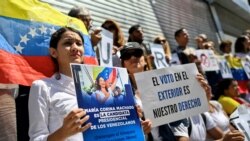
204 119
189 127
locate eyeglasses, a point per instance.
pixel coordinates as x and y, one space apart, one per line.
131 53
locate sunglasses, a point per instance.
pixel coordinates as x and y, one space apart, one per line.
131 53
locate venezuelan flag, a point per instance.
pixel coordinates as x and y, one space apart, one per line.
238 73
25 31
108 74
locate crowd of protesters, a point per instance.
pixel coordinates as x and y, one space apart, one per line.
46 123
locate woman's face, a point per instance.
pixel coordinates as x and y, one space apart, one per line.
233 90
69 49
102 82
227 49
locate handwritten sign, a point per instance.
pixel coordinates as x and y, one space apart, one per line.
171 93
105 48
208 60
107 97
225 69
159 56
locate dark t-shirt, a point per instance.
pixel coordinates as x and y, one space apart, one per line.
182 56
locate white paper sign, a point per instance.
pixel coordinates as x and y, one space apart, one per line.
246 65
225 69
171 94
240 118
105 48
208 60
159 56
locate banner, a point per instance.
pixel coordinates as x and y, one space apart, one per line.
105 48
159 56
106 95
25 31
208 60
171 93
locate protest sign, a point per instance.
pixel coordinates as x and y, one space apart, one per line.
105 48
208 60
106 95
171 93
159 56
240 119
174 60
225 70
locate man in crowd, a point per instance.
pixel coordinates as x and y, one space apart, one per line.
185 53
84 15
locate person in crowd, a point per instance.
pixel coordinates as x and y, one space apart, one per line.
136 34
130 58
203 125
200 39
160 39
226 47
221 118
242 46
118 40
227 89
53 111
104 92
118 95
8 131
199 126
185 53
84 15
53 108
247 32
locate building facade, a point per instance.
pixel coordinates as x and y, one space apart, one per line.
219 19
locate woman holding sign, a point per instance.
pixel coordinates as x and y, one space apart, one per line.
53 111
130 58
104 88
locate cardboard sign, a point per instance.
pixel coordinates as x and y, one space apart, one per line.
106 94
225 69
159 56
171 93
105 48
208 60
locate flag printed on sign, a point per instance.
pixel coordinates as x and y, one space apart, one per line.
25 31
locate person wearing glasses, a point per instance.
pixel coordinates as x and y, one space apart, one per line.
160 39
130 59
